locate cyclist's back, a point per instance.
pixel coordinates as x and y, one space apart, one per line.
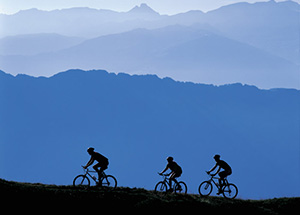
224 165
174 167
100 158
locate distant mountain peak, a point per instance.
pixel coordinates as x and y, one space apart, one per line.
143 8
30 11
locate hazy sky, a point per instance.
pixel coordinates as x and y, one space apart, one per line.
161 6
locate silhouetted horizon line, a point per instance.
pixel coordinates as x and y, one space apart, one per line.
140 75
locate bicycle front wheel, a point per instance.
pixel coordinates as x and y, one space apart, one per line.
81 181
109 181
180 187
205 188
161 187
230 191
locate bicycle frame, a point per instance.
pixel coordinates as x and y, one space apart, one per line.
167 180
217 185
87 172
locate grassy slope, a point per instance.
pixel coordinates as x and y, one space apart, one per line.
136 198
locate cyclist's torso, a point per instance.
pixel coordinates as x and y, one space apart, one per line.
100 158
174 167
224 165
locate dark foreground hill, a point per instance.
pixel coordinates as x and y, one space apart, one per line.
137 198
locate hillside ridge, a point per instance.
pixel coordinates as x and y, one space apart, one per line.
139 198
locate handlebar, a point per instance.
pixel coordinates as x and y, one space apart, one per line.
164 175
87 169
212 175
208 173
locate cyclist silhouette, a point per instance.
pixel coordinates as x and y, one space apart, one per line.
102 162
176 170
222 165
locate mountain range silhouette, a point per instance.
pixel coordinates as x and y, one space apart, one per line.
255 44
46 125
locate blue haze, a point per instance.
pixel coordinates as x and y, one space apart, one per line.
46 125
255 44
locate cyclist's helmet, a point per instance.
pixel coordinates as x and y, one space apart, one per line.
170 159
91 149
217 157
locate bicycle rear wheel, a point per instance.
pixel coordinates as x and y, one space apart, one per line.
230 191
161 187
180 187
109 181
205 188
81 181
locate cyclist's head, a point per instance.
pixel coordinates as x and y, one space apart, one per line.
90 150
170 159
217 157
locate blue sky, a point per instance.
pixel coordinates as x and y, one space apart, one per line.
161 6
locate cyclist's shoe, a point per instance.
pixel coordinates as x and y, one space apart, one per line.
99 183
170 190
220 192
179 188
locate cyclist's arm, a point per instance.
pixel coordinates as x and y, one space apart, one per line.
218 170
91 161
167 167
212 169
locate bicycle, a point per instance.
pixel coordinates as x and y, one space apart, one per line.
229 190
84 181
162 186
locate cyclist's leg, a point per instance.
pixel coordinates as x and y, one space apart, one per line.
222 175
171 179
102 168
95 167
175 175
222 181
